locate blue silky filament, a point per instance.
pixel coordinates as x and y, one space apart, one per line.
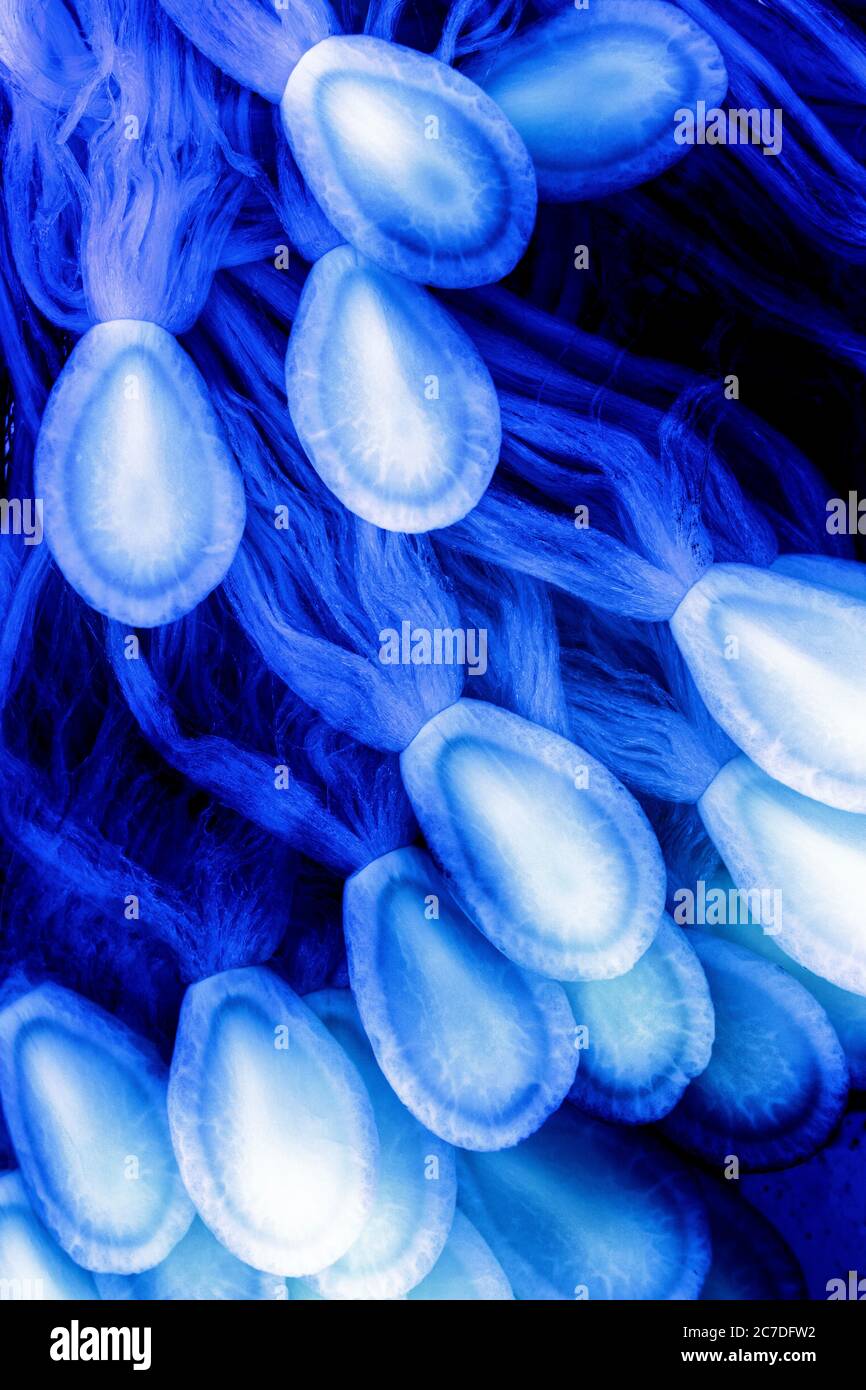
138 189
479 1050
390 398
257 44
411 162
466 1271
780 665
777 1082
198 1269
33 1266
271 1123
813 855
411 1217
546 851
778 661
595 92
584 1210
648 1033
267 725
84 1100
800 862
143 502
307 226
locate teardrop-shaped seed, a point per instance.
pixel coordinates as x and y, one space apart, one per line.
85 1104
389 397
480 1050
544 849
584 1210
600 92
777 1081
845 1010
417 1188
781 666
198 1269
643 1035
467 1270
411 162
802 864
143 503
271 1124
32 1265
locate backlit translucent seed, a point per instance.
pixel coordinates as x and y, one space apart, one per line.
143 504
467 1269
271 1124
777 1081
808 860
543 848
32 1265
389 397
480 1050
198 1269
648 1032
417 1187
594 92
583 1210
781 666
750 1258
846 1011
84 1101
410 161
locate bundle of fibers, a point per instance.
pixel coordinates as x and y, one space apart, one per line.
237 730
133 194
